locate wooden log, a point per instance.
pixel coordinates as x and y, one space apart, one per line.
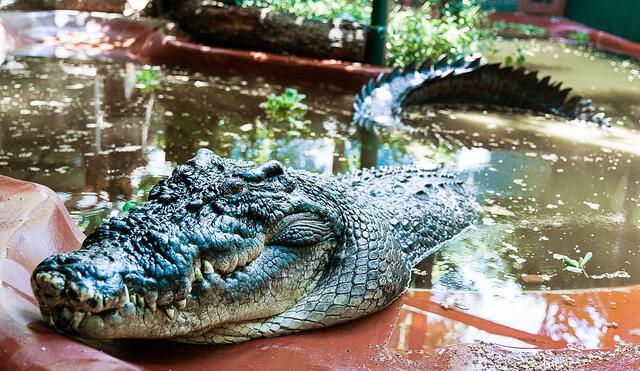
259 29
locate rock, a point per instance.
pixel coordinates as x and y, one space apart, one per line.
33 225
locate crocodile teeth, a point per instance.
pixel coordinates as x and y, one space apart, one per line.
171 312
77 318
207 268
181 304
243 258
134 299
197 274
153 306
141 301
126 295
228 263
67 314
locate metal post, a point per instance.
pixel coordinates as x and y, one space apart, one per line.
374 53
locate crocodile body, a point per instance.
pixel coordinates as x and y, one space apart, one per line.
225 251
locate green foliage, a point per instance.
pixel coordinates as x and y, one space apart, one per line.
520 57
347 9
577 266
579 37
520 29
288 107
148 80
413 33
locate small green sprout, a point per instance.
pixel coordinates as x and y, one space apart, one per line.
287 107
148 80
286 104
522 51
579 37
577 266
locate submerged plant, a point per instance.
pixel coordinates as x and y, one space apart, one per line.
148 80
577 266
520 57
288 107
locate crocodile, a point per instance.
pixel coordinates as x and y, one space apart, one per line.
224 250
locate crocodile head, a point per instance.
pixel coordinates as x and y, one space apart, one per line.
220 241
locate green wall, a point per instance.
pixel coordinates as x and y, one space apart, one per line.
621 17
508 6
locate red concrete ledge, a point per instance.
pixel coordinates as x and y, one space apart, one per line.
562 27
100 35
159 48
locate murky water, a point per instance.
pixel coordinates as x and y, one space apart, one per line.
547 188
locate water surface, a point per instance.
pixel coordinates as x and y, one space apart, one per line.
546 188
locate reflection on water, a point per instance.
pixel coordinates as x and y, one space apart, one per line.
429 320
546 188
84 130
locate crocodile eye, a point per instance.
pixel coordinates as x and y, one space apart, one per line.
301 230
233 187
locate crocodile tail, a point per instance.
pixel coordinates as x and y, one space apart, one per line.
382 100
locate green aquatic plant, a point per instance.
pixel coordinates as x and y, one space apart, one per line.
287 107
520 57
285 104
579 37
148 80
577 266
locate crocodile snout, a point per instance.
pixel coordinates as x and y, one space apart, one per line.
68 281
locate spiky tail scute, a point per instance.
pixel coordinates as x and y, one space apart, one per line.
382 100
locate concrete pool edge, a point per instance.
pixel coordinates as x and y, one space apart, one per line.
560 27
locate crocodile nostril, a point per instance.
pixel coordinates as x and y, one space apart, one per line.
73 295
50 286
93 303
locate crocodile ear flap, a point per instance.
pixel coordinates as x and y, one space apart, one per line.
263 171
